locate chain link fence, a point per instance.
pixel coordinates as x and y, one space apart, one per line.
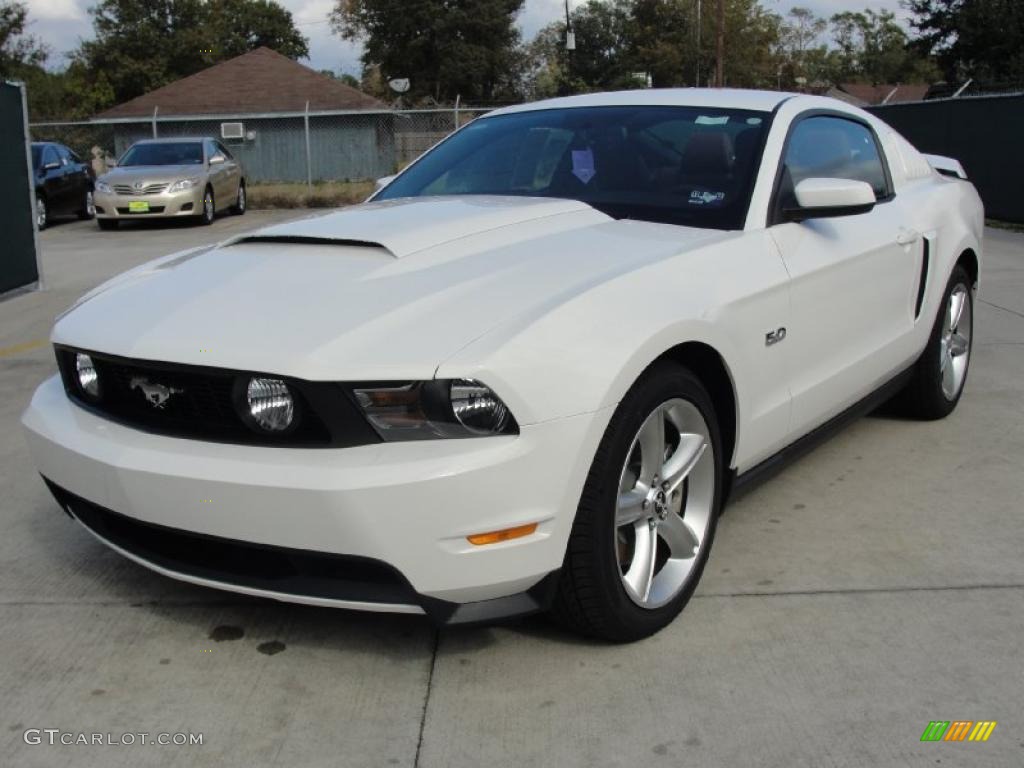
305 147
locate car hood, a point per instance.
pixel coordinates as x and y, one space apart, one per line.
151 173
377 291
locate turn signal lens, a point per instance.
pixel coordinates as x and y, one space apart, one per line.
507 534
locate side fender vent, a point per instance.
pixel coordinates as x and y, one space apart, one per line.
923 278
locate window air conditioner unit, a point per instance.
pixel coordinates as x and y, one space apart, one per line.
232 131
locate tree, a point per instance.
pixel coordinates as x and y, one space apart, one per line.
18 51
602 57
872 47
447 48
142 46
804 55
982 39
240 26
752 36
663 40
622 43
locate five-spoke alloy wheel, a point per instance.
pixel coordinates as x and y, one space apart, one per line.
955 342
647 515
666 490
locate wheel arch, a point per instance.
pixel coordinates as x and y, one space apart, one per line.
710 367
968 259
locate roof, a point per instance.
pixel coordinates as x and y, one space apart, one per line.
176 140
256 82
862 94
722 98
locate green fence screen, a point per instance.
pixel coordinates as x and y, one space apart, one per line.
18 266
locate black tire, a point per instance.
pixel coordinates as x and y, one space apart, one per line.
208 214
241 201
42 213
923 397
88 209
590 597
107 224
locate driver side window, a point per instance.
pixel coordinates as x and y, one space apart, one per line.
832 148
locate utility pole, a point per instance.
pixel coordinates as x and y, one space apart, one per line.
720 47
697 78
570 46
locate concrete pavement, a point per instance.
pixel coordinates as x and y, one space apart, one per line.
873 586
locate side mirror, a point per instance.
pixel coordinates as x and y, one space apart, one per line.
51 166
827 198
216 159
382 182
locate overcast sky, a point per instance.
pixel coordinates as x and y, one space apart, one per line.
62 23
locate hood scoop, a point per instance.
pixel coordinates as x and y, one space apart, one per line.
303 240
409 225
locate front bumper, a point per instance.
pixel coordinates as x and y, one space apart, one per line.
165 205
401 507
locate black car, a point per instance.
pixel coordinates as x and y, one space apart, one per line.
63 183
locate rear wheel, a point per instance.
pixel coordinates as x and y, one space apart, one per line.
88 209
208 212
941 371
647 516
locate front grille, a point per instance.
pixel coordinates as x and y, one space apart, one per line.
204 403
130 212
298 572
148 189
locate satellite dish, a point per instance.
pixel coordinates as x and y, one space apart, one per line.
399 84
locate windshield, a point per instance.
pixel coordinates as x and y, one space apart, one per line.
171 153
678 165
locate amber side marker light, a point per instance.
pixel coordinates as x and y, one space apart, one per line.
495 536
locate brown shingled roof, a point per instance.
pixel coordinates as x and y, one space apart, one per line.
876 94
255 82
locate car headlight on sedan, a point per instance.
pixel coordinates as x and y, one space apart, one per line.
441 408
182 184
102 186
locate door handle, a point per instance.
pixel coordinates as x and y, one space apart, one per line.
907 237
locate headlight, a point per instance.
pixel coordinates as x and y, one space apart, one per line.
88 379
182 184
477 408
424 410
270 403
102 186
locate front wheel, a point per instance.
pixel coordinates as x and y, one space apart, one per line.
42 215
208 212
940 373
648 512
240 201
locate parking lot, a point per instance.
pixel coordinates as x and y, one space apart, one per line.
871 587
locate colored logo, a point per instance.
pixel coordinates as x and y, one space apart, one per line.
958 730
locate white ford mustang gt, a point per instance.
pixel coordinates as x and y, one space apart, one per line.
528 372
